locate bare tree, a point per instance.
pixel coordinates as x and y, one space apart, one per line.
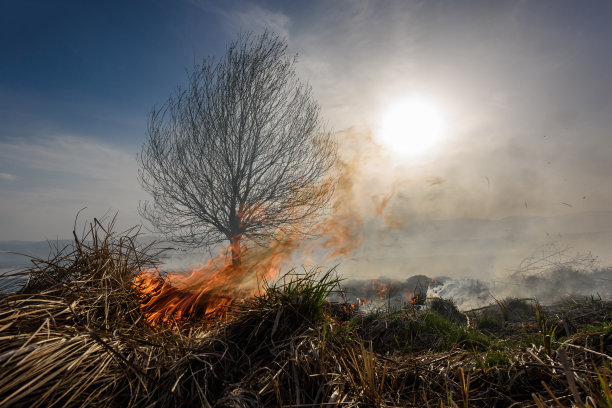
240 153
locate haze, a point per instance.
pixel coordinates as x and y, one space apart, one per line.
524 87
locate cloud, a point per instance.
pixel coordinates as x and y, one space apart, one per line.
78 156
256 18
56 177
244 16
7 176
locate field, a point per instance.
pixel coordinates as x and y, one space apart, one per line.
76 335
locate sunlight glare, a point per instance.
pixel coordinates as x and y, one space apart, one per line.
411 127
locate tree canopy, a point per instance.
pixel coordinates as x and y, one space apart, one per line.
240 153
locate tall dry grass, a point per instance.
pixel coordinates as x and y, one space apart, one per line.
75 336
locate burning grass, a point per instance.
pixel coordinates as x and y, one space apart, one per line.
77 335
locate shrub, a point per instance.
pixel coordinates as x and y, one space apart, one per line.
448 309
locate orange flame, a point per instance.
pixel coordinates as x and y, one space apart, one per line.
208 291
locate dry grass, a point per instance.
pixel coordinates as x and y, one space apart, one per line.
75 336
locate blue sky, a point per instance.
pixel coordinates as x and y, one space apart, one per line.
525 84
76 83
97 67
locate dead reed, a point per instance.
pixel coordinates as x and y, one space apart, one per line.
75 335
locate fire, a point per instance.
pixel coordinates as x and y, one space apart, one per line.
164 302
207 292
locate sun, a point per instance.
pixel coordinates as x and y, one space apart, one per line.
412 127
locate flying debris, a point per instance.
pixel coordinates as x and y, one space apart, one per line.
569 205
433 181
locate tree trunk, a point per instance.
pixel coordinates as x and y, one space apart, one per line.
236 253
